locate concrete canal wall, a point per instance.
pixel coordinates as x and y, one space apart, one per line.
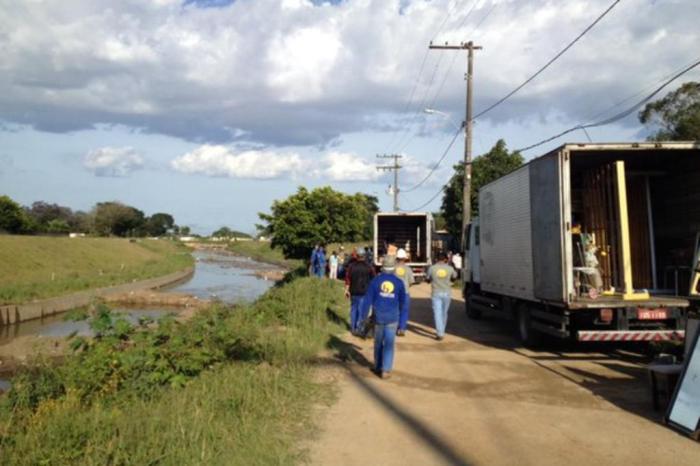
14 313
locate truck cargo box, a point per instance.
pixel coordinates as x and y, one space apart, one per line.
529 219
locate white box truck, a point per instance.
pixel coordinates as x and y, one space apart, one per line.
592 242
412 231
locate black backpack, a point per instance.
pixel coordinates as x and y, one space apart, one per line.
360 276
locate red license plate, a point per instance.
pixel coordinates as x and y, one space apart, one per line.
652 314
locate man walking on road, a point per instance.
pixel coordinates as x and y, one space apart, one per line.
404 272
440 276
387 296
357 278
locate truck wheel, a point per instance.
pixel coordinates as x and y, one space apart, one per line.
528 336
471 312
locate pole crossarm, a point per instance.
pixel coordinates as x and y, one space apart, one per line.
395 168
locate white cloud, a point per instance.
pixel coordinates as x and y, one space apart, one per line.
113 161
254 164
295 72
333 166
339 166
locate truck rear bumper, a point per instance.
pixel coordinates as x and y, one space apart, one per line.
630 335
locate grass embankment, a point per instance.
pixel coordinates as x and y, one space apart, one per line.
43 267
229 387
262 251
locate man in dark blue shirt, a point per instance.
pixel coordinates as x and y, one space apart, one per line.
387 295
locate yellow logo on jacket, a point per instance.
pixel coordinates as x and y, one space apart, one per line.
387 287
442 273
400 271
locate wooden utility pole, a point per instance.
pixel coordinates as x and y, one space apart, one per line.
466 189
395 167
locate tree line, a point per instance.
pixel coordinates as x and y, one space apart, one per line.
104 219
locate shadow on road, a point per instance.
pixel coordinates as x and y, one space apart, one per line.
347 352
614 372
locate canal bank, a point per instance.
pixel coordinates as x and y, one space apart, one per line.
218 276
15 313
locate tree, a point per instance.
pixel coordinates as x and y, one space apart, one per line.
159 224
320 216
485 168
115 218
12 216
57 226
226 232
678 114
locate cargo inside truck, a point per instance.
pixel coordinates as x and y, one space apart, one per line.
405 231
662 211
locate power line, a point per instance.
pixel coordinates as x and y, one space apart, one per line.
617 116
454 56
408 140
420 207
420 72
435 166
556 57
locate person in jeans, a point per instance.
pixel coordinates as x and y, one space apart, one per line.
440 276
404 272
357 278
333 266
387 296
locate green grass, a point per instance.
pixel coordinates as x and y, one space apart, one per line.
42 267
229 387
262 251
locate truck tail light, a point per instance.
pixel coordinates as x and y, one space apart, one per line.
606 315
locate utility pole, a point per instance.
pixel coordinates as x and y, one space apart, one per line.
395 167
466 189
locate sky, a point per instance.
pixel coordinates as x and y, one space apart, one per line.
212 109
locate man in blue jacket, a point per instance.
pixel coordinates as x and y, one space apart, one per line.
387 295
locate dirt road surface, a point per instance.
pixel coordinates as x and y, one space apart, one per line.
478 397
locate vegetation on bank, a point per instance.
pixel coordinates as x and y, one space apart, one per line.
262 251
230 386
33 267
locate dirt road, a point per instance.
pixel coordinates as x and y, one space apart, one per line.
477 397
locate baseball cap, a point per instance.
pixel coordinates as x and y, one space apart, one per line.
401 254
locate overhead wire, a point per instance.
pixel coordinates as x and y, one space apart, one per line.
447 72
617 116
555 58
455 54
435 166
422 206
420 74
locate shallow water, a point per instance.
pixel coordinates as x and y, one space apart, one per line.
56 326
226 277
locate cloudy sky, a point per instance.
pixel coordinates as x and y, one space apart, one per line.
212 109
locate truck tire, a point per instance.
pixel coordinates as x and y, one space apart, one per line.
527 335
469 309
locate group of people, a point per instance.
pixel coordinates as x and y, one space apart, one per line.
333 266
387 295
